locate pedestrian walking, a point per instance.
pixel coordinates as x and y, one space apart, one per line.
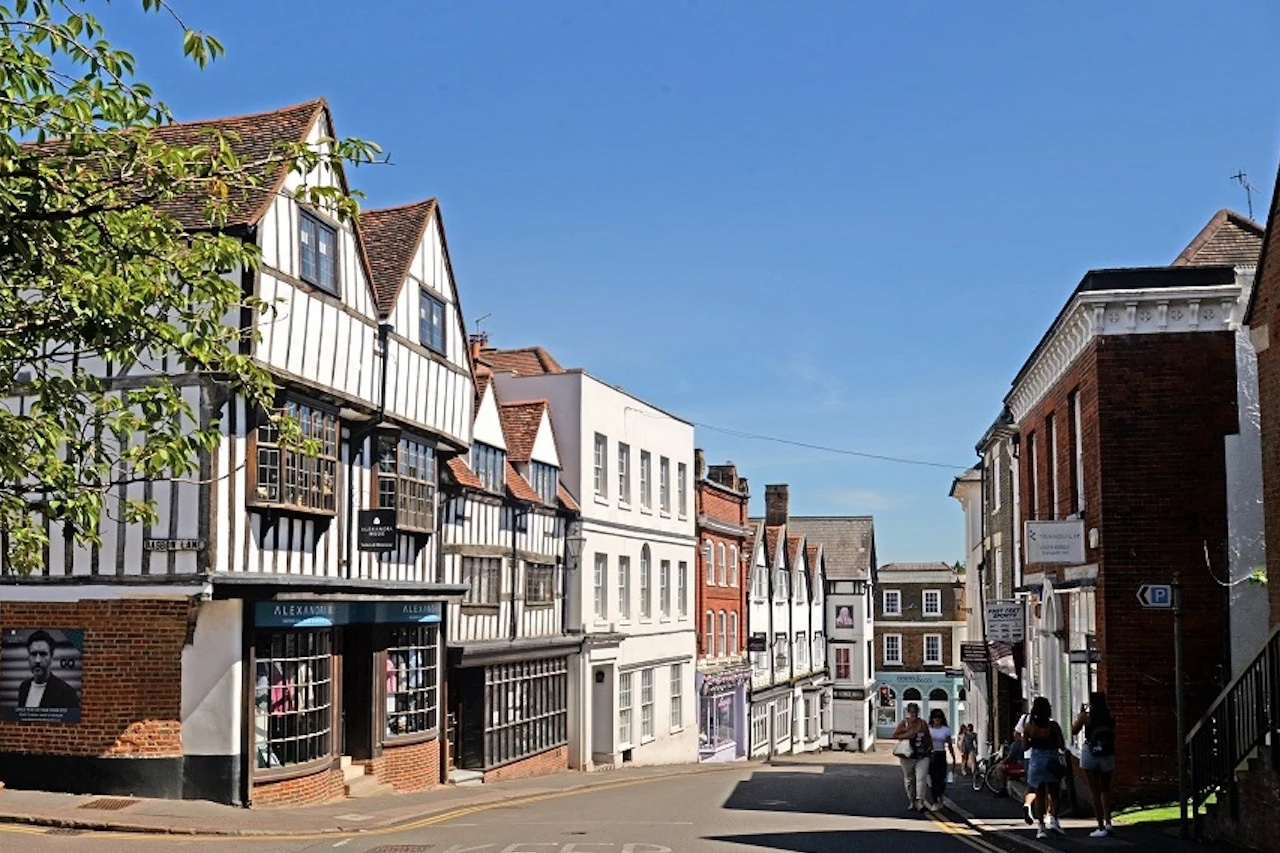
940 736
913 750
1043 741
968 749
1098 756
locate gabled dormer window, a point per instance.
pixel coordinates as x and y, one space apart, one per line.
800 589
407 481
544 478
284 476
783 592
489 464
317 252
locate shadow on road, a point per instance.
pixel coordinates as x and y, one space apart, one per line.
815 788
843 841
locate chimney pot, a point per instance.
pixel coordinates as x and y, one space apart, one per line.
478 342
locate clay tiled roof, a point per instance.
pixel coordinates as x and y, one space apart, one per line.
391 237
566 499
1229 239
771 537
528 361
812 553
793 549
520 423
483 377
462 473
519 487
936 566
848 543
255 139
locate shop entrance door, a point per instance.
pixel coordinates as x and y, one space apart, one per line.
356 702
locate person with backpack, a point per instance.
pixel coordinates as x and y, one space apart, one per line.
914 750
1043 741
1098 757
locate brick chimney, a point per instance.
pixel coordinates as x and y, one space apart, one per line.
726 475
699 464
478 342
776 509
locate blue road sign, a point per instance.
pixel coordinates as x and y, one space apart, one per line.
1156 596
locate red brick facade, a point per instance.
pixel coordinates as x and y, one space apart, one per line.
414 767
1264 323
131 700
542 764
1154 411
720 496
301 790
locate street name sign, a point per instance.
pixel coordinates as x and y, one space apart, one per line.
1084 656
1156 596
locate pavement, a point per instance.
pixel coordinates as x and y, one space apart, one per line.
1001 817
203 818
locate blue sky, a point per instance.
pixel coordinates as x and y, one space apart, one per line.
839 223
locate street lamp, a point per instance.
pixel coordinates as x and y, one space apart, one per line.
573 543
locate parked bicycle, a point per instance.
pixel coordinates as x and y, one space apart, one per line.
996 769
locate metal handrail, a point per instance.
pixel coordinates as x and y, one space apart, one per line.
1239 720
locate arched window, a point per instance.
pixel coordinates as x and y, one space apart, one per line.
723 580
911 695
646 584
724 633
734 568
962 695
709 640
733 633
937 694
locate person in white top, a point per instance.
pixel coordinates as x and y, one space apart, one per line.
938 766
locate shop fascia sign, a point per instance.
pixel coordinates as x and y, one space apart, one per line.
1006 621
326 614
1055 542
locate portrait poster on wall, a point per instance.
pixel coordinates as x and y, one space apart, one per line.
41 674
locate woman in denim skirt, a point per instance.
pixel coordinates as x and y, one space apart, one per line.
1098 757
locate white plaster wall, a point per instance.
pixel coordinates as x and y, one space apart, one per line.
211 702
1246 549
563 393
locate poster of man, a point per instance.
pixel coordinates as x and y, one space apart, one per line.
844 617
40 675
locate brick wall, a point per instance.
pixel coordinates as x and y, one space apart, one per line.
542 764
408 768
1266 314
913 648
1259 824
722 503
320 787
131 699
1154 413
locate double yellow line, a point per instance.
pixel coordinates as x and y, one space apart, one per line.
965 833
442 817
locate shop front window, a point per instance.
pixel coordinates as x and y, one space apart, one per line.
411 680
717 721
526 706
293 698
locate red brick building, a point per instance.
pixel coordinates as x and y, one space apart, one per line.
723 670
1122 414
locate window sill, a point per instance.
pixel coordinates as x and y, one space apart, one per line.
664 514
288 509
625 506
601 500
646 511
393 741
649 739
675 730
538 605
479 609
292 771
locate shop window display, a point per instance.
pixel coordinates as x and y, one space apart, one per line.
411 680
293 698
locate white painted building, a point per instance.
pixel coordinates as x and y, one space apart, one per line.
849 550
786 624
629 465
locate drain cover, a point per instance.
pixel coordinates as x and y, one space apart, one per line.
109 804
402 848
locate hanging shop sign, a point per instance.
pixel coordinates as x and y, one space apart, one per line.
325 614
975 656
757 643
376 530
853 695
1006 621
1055 541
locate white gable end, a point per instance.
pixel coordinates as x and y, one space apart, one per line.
544 446
488 427
429 274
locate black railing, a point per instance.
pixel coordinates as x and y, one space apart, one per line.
1243 718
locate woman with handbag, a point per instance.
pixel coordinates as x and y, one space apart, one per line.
1098 757
1043 741
914 748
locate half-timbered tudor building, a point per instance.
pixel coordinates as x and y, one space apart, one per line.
628 464
790 690
246 647
504 525
724 673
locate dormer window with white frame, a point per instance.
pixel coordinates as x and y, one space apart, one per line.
891 602
544 478
760 585
931 602
783 592
317 252
489 464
